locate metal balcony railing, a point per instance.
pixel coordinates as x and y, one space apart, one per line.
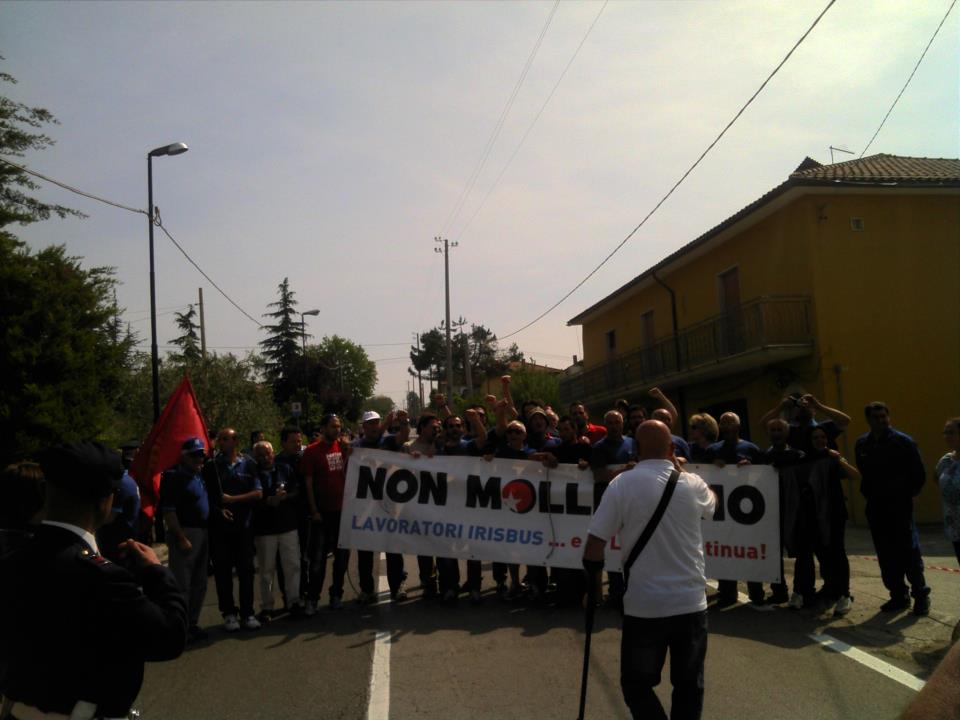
758 324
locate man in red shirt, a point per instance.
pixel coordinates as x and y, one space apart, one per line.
595 433
323 468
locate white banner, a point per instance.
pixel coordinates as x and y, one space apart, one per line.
518 511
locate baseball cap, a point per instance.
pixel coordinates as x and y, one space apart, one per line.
370 415
192 445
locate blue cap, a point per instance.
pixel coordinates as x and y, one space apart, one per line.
192 445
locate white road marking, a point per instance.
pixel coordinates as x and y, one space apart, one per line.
864 658
379 706
890 671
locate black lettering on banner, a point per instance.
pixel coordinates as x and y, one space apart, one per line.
757 503
573 506
367 481
435 488
545 505
485 494
405 477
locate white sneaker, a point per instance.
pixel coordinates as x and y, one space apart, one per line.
844 605
231 623
251 623
796 601
311 608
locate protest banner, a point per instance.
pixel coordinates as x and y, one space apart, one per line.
519 511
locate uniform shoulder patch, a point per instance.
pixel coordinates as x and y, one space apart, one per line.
93 558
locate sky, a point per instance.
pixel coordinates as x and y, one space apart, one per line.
330 143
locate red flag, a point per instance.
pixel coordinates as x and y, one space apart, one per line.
181 419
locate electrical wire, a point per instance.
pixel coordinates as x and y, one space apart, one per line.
523 139
73 189
922 55
485 154
676 184
155 220
229 299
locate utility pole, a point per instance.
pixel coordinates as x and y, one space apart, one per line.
419 374
467 380
203 328
446 284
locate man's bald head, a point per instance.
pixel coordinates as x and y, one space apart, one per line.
654 441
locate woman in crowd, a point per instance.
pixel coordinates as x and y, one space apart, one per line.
948 478
704 431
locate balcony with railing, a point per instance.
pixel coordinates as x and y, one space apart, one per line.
758 332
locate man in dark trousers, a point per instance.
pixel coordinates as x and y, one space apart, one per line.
76 627
664 603
893 474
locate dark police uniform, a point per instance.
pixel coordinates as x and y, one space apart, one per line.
76 627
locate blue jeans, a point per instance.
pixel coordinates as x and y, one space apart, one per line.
643 650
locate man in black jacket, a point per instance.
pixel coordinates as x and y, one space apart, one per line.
76 627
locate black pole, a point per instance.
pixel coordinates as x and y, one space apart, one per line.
306 390
588 627
154 355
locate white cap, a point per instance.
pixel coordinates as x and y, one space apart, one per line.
370 415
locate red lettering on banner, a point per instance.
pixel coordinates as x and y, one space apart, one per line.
575 542
615 542
735 552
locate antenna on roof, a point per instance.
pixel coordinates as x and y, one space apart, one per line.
843 150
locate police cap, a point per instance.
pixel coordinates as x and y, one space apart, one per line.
88 470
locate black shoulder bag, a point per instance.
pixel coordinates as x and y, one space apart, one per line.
651 526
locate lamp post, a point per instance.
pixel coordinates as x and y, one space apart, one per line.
172 149
303 344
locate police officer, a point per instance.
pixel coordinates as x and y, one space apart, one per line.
76 627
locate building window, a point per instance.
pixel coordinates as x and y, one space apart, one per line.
611 341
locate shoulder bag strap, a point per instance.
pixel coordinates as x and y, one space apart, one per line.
651 526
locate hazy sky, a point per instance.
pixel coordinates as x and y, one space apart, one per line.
330 142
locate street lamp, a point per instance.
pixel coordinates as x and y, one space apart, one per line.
303 343
172 149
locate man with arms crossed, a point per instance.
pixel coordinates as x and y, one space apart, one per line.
664 604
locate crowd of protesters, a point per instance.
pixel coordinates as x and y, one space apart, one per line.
278 509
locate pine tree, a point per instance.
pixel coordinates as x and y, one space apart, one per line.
282 345
189 341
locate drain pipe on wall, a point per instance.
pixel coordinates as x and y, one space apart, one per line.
681 394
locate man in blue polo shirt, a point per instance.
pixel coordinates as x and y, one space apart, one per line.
186 512
893 475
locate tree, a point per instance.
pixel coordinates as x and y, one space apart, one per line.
62 354
486 357
189 342
17 122
379 403
341 375
282 345
61 361
228 389
413 404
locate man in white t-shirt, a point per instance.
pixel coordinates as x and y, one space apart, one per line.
665 605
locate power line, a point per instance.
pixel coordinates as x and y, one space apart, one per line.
155 220
159 224
534 122
677 184
73 189
922 55
485 154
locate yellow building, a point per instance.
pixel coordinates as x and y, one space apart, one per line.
843 281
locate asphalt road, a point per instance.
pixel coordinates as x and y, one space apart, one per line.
518 660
